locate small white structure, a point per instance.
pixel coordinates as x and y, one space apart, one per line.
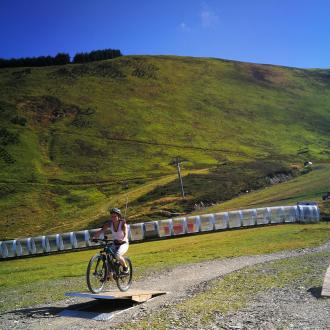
179 226
221 220
151 229
263 216
235 219
326 284
165 227
207 222
136 231
249 217
193 224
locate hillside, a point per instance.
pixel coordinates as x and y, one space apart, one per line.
70 136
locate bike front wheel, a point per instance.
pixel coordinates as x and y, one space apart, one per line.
124 280
96 274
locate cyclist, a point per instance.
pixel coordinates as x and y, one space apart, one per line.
119 231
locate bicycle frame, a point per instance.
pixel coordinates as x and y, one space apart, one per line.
110 259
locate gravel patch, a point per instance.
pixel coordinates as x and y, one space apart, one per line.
288 307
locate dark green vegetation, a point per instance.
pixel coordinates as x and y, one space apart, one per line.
71 135
60 59
39 280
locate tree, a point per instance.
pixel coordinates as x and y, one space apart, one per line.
62 58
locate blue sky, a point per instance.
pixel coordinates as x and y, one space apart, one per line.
284 32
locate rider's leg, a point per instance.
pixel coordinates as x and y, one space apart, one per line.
120 252
122 261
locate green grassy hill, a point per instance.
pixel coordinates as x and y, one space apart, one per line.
71 135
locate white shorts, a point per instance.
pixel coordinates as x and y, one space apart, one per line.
122 249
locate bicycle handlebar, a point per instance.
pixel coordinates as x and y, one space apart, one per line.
101 240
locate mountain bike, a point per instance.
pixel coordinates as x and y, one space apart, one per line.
104 267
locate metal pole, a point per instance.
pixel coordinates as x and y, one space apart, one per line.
126 205
180 179
176 161
126 187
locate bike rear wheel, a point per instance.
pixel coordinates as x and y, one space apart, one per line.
96 274
124 281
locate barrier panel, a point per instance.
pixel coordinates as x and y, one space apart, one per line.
151 229
234 219
207 222
263 216
11 251
31 245
42 244
91 233
165 228
305 212
193 224
22 247
290 214
249 217
309 213
3 250
179 226
277 214
55 242
28 246
316 214
136 232
281 214
16 248
82 238
69 241
221 220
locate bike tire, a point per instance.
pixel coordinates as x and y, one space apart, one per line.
96 273
124 281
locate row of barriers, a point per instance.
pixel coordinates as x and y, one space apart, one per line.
164 229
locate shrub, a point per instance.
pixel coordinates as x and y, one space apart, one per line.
18 121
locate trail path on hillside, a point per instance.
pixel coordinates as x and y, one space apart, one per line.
180 282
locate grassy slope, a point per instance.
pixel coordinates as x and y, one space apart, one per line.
124 120
308 187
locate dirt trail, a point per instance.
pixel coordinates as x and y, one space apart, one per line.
179 282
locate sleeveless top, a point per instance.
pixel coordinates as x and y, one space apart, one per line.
119 234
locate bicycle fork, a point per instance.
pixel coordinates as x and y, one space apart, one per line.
110 269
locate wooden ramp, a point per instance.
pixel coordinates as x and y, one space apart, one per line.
326 284
134 295
107 304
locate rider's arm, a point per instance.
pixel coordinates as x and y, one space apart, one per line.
125 230
104 228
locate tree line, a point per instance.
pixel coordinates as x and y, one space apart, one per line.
60 58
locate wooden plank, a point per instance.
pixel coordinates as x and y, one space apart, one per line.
326 284
135 295
141 297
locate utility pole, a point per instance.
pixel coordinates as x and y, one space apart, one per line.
125 186
176 162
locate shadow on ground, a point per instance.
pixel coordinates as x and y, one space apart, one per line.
95 307
316 292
